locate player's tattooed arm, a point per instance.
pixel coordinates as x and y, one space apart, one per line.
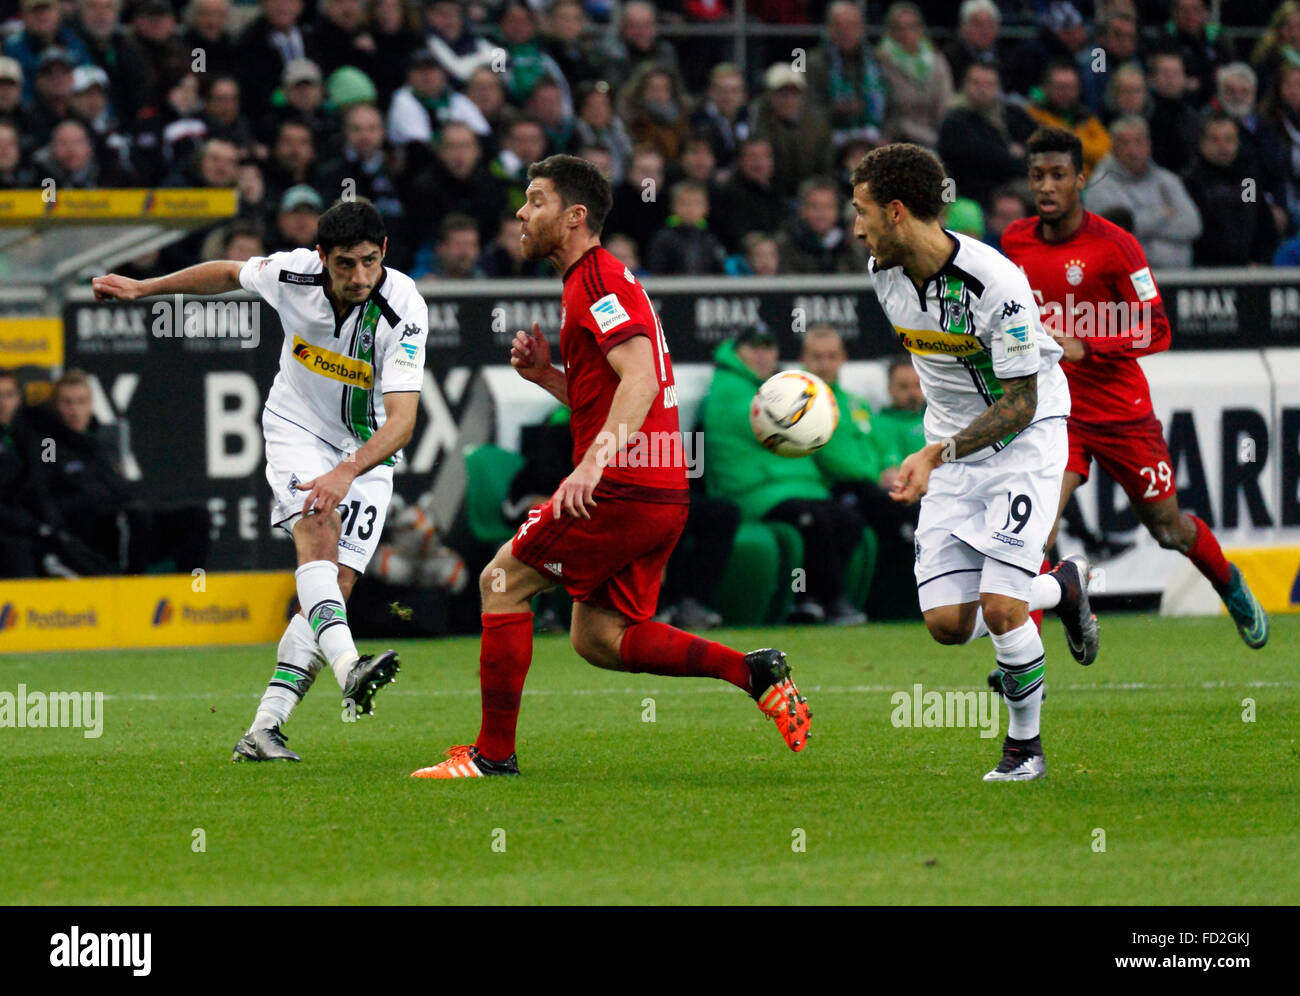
1009 414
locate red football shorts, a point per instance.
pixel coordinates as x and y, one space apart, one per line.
1134 453
614 560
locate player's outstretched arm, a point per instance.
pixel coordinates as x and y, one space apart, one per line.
215 277
530 355
1009 414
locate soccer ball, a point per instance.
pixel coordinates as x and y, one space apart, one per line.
794 413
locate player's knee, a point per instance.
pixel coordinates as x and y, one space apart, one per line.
599 648
946 628
1002 616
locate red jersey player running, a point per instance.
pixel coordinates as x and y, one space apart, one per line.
1086 269
607 532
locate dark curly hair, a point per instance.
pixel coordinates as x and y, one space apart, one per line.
1056 140
577 182
349 223
906 173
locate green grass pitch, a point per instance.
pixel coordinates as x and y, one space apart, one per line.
703 805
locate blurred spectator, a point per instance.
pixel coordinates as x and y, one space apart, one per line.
458 181
454 42
623 249
800 137
11 95
458 249
523 145
214 164
207 30
251 185
845 83
597 124
395 28
1007 204
697 163
295 221
166 59
301 97
975 138
527 63
89 102
240 241
1281 109
274 39
69 159
14 173
749 201
340 38
346 86
549 103
113 47
899 427
978 24
1061 36
641 200
1235 229
367 167
1165 219
293 159
816 241
1126 94
42 29
169 138
1060 107
652 106
420 108
1261 151
1279 45
964 216
224 117
1174 123
761 257
1202 44
1116 45
599 157
767 486
565 29
488 94
505 258
918 82
637 46
723 117
93 499
52 102
686 245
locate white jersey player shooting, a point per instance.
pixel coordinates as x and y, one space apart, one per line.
342 406
989 476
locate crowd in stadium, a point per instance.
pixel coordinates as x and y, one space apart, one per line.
435 110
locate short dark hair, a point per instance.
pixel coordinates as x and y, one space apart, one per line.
1218 117
907 173
1056 140
456 222
577 182
1059 65
348 223
897 363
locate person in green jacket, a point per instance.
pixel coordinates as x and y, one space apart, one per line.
899 429
775 488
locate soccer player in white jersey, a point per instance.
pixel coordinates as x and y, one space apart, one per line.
342 406
989 476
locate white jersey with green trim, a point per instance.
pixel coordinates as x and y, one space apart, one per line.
334 372
972 325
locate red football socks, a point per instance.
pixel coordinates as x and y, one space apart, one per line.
504 656
1207 555
655 648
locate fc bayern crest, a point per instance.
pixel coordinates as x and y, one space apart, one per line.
1074 272
367 340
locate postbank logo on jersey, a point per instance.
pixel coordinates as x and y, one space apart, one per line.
333 365
609 313
931 342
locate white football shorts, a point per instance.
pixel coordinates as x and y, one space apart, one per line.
294 456
984 526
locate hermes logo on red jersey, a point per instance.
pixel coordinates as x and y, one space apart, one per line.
1074 272
609 314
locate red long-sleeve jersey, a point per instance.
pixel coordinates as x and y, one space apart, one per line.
1098 287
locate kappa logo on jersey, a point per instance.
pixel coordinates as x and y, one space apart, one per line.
410 329
928 342
1144 284
1018 340
1010 308
335 366
289 277
609 314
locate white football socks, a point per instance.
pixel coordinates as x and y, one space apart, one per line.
1044 592
1020 659
322 602
298 659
